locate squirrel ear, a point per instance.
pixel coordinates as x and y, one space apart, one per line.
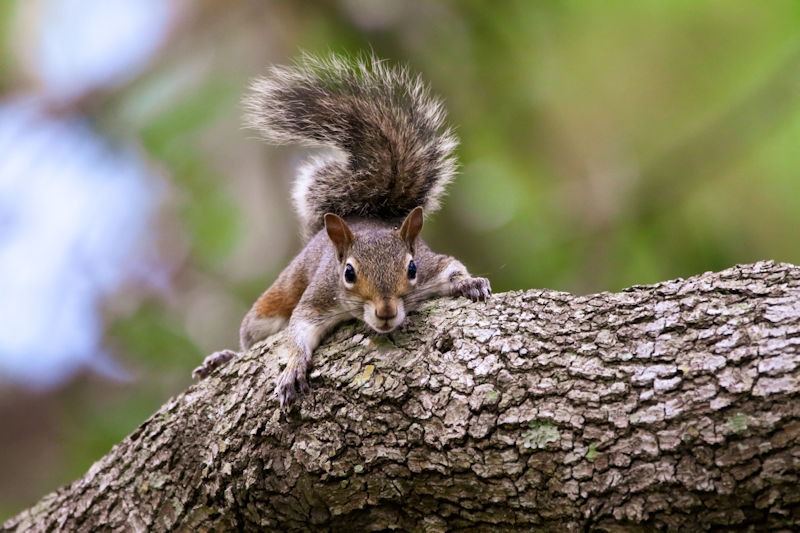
339 233
411 227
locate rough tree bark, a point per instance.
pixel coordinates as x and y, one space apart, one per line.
671 406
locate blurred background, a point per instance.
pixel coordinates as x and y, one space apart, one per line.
604 144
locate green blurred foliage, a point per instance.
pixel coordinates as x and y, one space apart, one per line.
603 144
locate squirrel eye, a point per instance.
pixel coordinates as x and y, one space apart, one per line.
349 274
412 270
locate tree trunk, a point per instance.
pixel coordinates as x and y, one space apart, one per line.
673 406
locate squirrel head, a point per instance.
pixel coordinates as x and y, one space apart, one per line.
376 268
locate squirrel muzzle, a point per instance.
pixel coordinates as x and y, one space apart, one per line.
384 314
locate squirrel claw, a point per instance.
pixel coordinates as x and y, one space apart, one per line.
212 362
474 288
292 383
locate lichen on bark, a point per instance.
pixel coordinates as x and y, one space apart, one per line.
673 406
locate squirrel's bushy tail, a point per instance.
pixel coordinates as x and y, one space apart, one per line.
393 150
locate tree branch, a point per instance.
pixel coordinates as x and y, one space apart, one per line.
669 406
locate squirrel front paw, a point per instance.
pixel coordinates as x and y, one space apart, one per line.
292 382
473 288
212 362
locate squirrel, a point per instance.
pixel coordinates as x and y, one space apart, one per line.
360 206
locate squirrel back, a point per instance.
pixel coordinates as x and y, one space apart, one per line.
392 150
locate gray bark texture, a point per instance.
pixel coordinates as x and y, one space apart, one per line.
673 406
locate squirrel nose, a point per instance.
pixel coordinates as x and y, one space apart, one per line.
387 310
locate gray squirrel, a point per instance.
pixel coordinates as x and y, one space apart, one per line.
361 207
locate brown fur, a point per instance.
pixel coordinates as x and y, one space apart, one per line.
281 298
